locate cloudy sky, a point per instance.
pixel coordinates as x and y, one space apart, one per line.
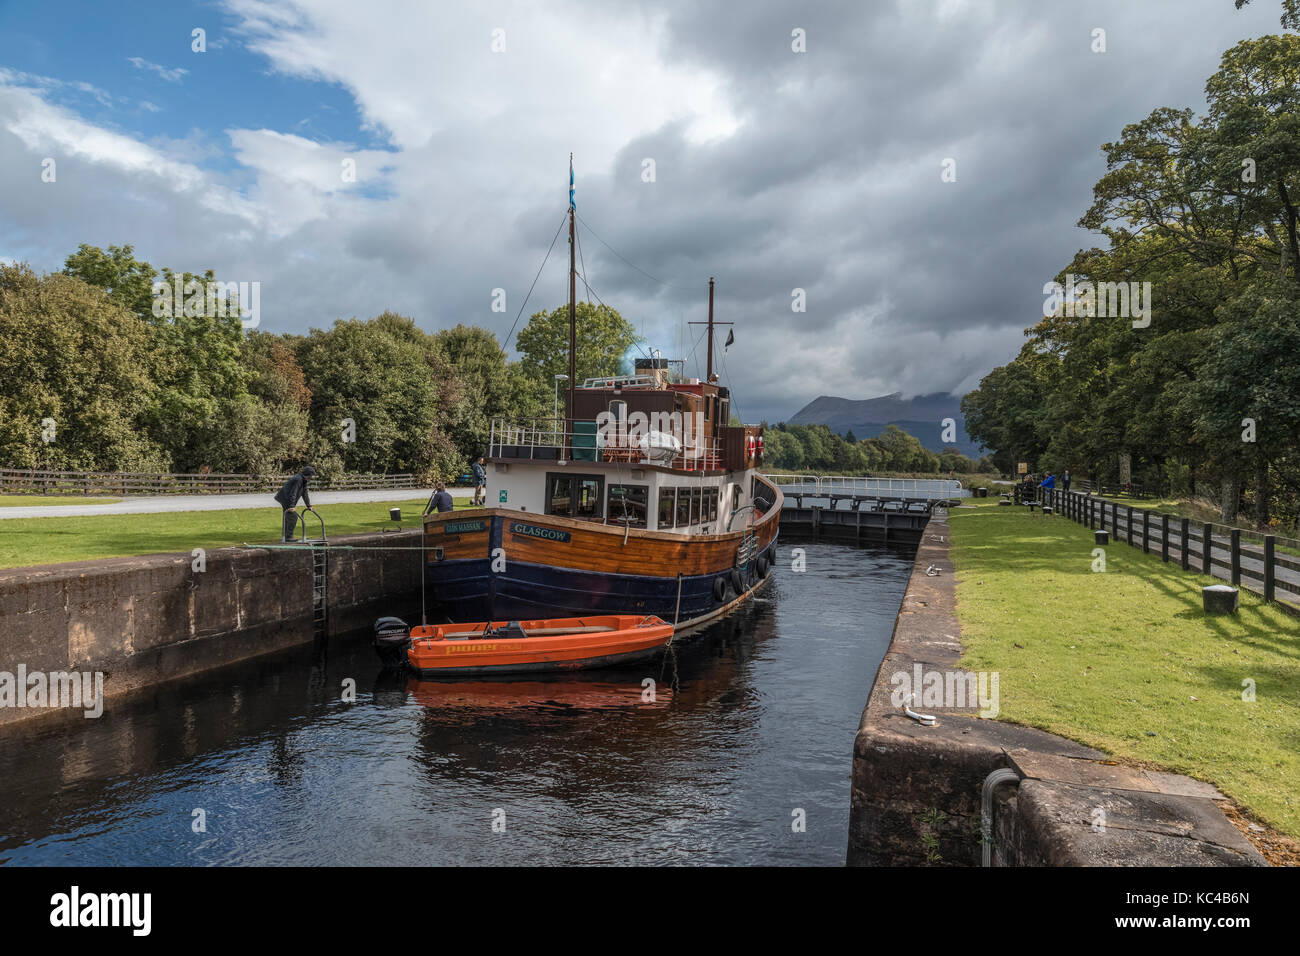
774 169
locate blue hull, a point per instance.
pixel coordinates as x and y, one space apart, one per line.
468 590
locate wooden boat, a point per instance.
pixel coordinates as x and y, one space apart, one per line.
642 499
511 647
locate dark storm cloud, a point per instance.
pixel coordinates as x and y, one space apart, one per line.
832 183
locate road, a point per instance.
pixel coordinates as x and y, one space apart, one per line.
165 503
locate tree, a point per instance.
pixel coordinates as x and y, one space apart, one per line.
75 366
384 398
1290 13
603 340
201 375
1003 412
127 280
480 363
264 431
1248 395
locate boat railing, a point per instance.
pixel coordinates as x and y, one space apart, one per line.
559 439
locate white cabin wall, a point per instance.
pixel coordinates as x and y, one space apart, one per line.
525 486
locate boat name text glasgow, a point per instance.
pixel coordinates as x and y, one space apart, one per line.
550 534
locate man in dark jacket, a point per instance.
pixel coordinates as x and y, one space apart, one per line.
440 500
288 495
480 482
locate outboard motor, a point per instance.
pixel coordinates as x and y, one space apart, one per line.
392 638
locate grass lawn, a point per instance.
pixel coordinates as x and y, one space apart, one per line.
31 501
25 541
1126 661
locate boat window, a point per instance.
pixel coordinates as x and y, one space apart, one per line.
713 504
559 492
667 507
683 507
574 496
627 504
589 497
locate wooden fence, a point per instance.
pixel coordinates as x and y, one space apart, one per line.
1134 489
20 481
1219 551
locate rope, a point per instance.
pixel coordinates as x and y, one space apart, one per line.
506 342
668 285
678 612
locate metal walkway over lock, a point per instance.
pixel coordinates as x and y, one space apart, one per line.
863 510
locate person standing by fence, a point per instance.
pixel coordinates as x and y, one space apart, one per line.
1047 484
288 495
480 482
1065 480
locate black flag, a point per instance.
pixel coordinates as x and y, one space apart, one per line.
731 338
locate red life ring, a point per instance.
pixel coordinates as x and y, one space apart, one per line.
750 446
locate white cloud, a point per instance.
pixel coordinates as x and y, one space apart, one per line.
170 74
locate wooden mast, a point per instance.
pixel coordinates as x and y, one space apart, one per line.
708 375
573 306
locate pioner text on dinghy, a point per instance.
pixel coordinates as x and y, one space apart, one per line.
642 499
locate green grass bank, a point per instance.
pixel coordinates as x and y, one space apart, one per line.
1125 660
28 541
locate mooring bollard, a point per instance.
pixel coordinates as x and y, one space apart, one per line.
1101 537
1219 599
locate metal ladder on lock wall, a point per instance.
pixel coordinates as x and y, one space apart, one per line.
319 577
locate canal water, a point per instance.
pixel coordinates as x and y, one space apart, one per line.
741 757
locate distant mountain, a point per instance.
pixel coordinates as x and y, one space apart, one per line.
921 416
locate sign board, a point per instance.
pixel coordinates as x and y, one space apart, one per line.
463 527
1022 468
501 496
533 531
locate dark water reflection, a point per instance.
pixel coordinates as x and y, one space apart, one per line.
752 720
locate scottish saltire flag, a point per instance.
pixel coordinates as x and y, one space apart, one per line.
571 202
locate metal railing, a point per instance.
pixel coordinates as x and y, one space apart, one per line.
558 439
126 483
929 489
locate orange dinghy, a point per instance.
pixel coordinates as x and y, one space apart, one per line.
501 647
